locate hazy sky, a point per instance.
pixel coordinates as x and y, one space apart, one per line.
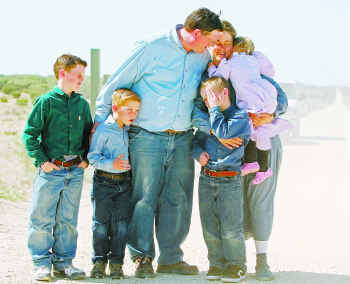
307 40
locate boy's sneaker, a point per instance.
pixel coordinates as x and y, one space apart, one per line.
68 271
42 273
116 271
261 176
181 267
214 273
262 269
234 274
144 267
98 270
249 168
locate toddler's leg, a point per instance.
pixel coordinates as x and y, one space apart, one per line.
250 159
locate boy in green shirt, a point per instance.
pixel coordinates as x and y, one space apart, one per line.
56 135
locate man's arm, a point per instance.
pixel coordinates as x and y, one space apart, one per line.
124 77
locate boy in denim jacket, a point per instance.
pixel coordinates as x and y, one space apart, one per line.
111 190
220 188
56 135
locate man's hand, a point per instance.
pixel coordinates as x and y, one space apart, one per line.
83 165
231 142
120 164
204 158
93 131
261 119
48 167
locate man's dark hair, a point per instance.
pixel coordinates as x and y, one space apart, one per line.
204 20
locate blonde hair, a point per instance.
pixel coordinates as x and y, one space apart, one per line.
217 84
120 97
67 62
244 44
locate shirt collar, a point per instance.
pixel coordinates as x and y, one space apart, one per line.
174 37
59 91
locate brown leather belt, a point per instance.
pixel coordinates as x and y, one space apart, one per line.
173 132
212 173
67 164
113 176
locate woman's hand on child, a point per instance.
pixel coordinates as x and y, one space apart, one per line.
204 158
261 119
48 167
231 143
120 164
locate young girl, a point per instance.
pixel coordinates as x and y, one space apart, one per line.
255 95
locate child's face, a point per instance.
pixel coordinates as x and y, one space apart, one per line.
127 113
73 78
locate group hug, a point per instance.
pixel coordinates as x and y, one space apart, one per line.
199 92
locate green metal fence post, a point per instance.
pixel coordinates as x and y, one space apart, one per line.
95 77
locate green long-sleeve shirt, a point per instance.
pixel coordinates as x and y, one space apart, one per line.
58 125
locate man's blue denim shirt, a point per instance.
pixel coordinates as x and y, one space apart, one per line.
165 77
108 142
227 124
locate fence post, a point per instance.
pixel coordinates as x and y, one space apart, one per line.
95 77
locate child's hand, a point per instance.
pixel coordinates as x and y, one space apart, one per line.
83 165
214 100
204 158
120 164
48 167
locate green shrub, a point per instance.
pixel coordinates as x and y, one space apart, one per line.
16 94
4 100
22 101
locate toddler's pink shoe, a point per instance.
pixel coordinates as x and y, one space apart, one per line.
248 168
261 176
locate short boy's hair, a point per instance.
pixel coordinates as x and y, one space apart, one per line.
245 44
204 20
67 62
217 84
227 27
121 96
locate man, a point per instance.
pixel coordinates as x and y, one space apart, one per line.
258 199
165 72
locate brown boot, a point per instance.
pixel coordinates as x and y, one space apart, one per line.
116 271
98 270
178 268
144 268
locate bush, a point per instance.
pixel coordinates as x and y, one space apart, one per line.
16 94
4 100
22 101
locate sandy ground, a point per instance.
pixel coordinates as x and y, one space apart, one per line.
310 240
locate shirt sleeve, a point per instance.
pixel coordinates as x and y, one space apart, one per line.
282 100
95 155
124 77
237 126
32 133
197 148
87 130
223 70
265 65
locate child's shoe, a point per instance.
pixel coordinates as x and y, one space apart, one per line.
116 271
261 176
248 168
98 270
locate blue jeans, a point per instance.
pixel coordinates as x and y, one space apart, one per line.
221 212
163 174
111 212
54 216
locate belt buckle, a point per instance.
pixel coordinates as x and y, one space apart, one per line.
171 131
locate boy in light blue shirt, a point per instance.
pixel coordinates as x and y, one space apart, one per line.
111 190
220 188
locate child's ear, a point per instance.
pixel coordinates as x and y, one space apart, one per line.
61 73
114 107
225 91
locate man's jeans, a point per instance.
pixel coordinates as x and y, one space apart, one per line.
163 174
111 212
221 212
54 216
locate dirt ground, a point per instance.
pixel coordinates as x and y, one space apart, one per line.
310 240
